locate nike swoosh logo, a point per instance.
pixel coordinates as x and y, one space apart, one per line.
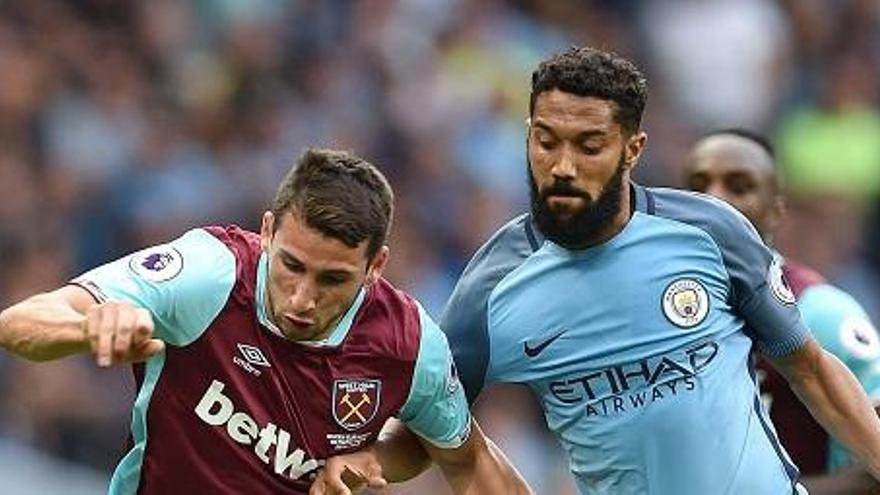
538 349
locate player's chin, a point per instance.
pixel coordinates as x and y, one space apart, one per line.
295 331
563 216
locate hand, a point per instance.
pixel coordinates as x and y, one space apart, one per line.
120 332
348 474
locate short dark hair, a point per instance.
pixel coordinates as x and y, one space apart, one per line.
340 195
590 72
748 134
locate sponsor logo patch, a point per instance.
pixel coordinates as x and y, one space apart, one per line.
355 402
859 337
452 381
271 444
685 302
778 283
251 357
156 264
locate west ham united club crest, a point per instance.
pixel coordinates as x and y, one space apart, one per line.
355 402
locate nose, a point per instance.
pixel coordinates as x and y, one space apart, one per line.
716 189
564 169
303 298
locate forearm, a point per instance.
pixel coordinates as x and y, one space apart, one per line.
42 328
485 469
837 401
853 480
400 453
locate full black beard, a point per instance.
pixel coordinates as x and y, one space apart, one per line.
584 225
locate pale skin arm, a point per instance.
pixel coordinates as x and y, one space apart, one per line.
69 321
477 467
835 398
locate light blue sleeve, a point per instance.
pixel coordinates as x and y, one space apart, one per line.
436 408
183 284
843 328
759 293
465 317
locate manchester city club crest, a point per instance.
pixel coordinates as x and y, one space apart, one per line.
355 402
685 302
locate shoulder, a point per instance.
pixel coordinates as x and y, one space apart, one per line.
244 244
508 247
387 301
841 325
245 248
390 321
712 215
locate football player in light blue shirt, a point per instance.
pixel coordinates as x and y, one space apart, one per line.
632 312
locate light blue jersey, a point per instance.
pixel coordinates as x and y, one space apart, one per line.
638 349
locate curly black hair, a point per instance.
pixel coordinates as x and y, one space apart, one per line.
586 71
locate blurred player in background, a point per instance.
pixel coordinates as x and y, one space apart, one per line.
267 353
632 312
738 166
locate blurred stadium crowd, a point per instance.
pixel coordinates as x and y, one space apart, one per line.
124 123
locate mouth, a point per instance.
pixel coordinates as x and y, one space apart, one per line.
564 201
297 322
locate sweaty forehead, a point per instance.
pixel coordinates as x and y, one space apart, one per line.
729 153
563 111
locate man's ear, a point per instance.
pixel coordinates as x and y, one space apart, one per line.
267 227
377 266
633 149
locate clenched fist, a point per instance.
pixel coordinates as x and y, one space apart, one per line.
119 332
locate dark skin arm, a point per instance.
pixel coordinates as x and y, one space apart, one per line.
851 480
476 467
836 399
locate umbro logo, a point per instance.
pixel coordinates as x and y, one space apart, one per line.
533 350
252 357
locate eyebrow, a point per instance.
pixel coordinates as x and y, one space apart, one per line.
589 133
290 258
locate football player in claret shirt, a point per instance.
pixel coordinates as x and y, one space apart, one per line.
739 166
262 355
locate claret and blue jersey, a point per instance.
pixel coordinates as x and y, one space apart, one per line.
231 406
639 348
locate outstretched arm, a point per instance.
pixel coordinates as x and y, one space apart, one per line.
835 399
69 321
476 467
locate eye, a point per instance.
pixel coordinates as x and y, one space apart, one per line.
293 266
739 184
332 279
590 148
544 139
698 182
